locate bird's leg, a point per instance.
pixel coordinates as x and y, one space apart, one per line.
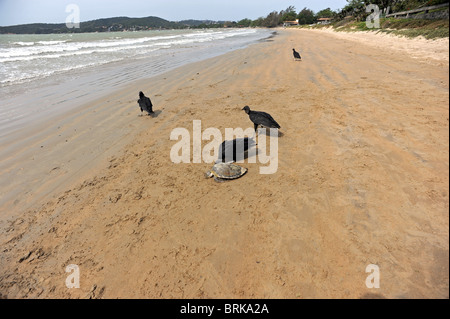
256 134
256 129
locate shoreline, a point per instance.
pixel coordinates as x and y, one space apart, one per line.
25 103
58 131
362 179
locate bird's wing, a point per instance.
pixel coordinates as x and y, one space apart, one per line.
270 119
148 102
142 104
264 119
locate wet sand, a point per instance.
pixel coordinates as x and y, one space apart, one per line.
362 179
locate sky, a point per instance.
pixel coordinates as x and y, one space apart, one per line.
14 12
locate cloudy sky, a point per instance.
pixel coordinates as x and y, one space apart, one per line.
54 11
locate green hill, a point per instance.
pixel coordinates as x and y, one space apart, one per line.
99 25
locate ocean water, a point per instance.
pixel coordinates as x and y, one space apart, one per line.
40 73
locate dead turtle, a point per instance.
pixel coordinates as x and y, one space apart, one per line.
225 171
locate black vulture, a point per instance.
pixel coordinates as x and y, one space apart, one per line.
145 104
234 150
261 118
296 55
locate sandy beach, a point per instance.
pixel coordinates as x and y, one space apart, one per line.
362 179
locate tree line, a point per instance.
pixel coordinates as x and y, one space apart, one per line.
354 8
275 18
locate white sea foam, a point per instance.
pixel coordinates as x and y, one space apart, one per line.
23 43
43 49
33 67
32 57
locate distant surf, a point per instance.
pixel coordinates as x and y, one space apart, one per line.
41 72
29 57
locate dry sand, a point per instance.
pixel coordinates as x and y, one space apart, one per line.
362 179
427 51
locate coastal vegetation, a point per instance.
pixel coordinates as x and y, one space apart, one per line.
353 17
429 29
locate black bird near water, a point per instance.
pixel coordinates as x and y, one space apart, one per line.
145 103
296 55
261 118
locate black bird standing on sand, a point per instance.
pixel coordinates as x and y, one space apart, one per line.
145 104
296 55
261 118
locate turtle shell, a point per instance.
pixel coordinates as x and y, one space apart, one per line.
228 171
